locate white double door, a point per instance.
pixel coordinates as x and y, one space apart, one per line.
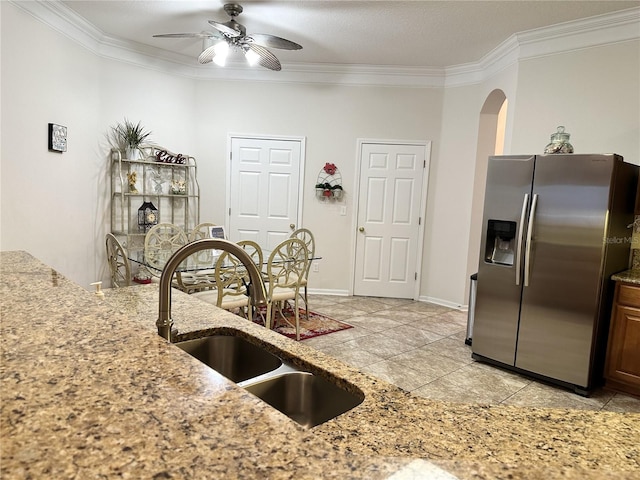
391 204
265 193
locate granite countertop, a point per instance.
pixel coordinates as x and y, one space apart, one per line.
628 276
90 389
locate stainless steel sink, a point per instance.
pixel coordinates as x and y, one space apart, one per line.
234 357
306 398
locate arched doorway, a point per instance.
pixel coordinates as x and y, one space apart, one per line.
491 137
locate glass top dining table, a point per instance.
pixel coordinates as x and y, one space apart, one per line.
193 263
200 262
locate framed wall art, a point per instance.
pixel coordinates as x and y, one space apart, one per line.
57 138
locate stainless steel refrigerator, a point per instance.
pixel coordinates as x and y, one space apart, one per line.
555 228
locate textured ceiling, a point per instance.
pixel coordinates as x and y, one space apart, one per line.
390 33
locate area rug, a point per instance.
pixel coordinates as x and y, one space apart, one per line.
317 324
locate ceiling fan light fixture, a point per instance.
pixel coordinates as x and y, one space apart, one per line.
252 57
221 50
232 34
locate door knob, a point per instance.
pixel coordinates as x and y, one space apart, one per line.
292 226
361 229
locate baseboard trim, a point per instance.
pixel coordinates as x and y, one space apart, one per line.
444 303
322 291
437 301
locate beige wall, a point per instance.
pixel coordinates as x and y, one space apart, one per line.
56 206
457 216
594 93
331 118
48 199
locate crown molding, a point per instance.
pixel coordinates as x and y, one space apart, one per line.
565 37
500 58
595 31
561 38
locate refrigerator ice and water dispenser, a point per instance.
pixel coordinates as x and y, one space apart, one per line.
500 242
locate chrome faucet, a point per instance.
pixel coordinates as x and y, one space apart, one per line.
255 288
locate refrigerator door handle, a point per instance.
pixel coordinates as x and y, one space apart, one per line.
523 214
527 255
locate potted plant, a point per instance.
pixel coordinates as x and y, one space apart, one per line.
336 191
129 137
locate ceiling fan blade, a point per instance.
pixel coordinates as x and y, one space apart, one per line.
225 29
207 55
272 41
267 59
187 35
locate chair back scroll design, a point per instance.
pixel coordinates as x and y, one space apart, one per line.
204 258
118 262
160 243
254 250
200 231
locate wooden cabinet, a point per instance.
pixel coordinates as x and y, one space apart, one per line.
622 368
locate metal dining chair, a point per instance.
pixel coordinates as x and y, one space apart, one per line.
230 291
160 242
118 262
286 268
306 236
202 230
257 255
203 278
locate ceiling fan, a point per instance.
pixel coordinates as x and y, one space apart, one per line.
233 35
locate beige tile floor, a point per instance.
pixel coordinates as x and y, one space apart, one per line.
420 347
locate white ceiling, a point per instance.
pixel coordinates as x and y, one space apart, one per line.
386 33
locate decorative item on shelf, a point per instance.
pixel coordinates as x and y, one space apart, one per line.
559 142
57 138
129 137
329 183
165 157
157 180
131 179
178 187
147 216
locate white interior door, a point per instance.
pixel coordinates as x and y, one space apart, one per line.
264 189
389 231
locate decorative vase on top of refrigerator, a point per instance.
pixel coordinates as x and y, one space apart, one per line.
555 228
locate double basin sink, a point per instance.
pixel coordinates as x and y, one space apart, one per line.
307 398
